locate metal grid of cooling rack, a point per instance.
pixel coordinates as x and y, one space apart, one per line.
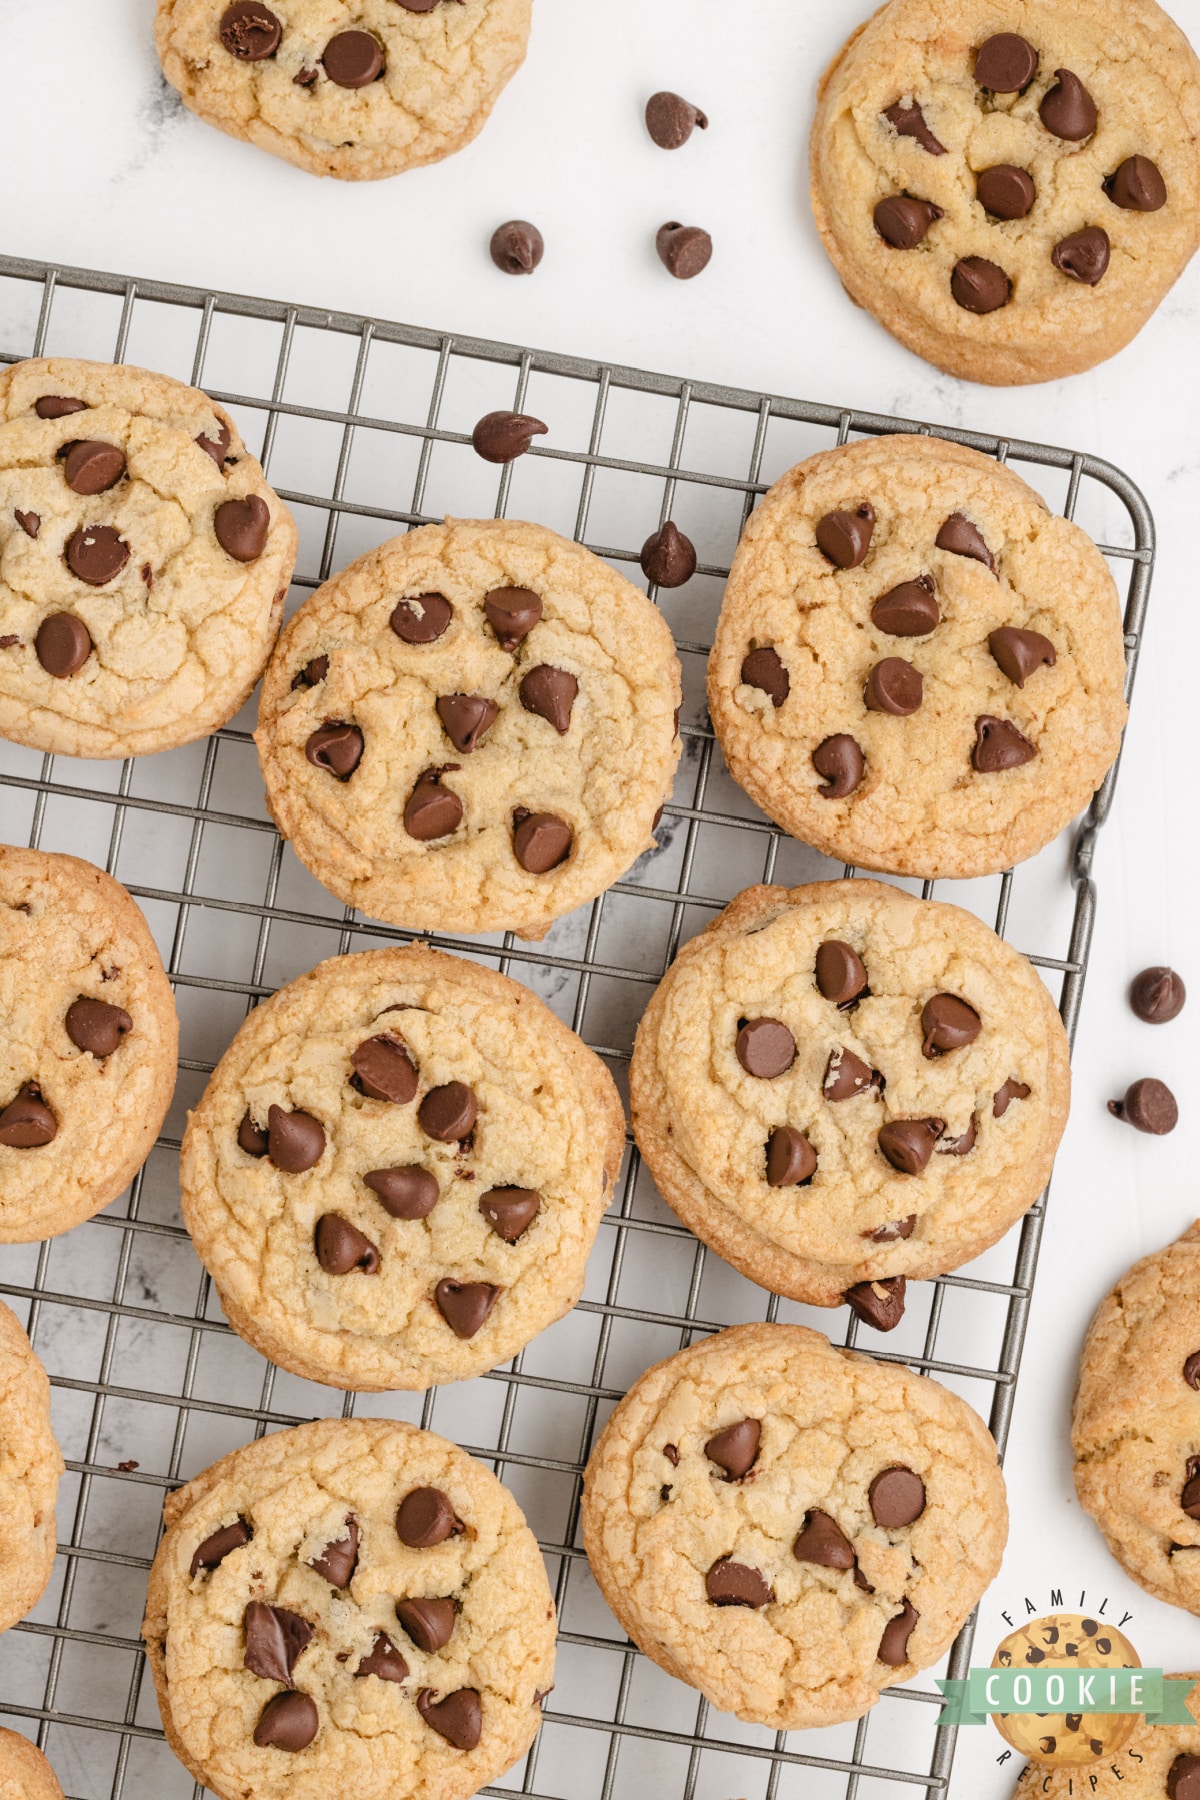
364 427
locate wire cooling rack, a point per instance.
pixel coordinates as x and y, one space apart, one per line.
364 427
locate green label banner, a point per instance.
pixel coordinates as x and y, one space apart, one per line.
1067 1690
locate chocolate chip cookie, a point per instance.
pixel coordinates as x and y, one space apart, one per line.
1010 188
1159 1762
24 1772
88 1041
839 1087
471 728
791 1527
353 1607
357 91
144 560
1136 1424
1057 1641
30 1465
397 1170
918 666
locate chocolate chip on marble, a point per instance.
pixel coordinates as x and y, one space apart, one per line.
979 286
909 610
337 748
341 1247
512 613
893 1645
878 1303
241 527
540 840
1005 191
27 1123
58 406
465 1305
216 447
822 1541
458 1718
902 221
1137 185
959 1146
1006 63
671 120
466 718
510 1211
500 437
274 1639
1183 1777
517 247
668 558
96 553
251 1137
353 59
421 619
1019 653
735 1448
405 1193
765 1047
288 1722
893 1230
1157 995
999 745
249 31
63 644
908 1143
896 1497
841 976
1067 109
448 1113
895 687
337 1561
840 763
95 1026
551 694
909 121
384 1070
1083 255
730 1583
312 674
217 1546
683 250
91 467
296 1141
962 538
426 1517
791 1159
383 1659
947 1023
1148 1105
846 1075
1005 1095
844 538
429 1623
431 810
30 522
764 669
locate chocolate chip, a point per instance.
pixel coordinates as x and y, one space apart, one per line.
429 1623
383 1659
510 1211
999 745
1004 1096
1083 255
1005 191
765 1048
729 1583
426 1517
764 669
216 447
215 1548
405 1193
822 1541
10 639
353 59
1191 1370
840 974
1149 1105
288 1722
668 558
57 406
902 221
448 1113
551 694
421 619
540 841
735 1448
431 810
791 1159
846 1075
893 1645
893 1230
1006 63
337 748
683 250
458 1718
1019 653
517 247
512 613
95 1026
251 1137
274 1639
961 538
839 760
63 644
1157 995
895 687
1137 185
1189 1499
96 553
670 119
336 1562
385 1070
27 1122
30 522
1183 1778
1067 109
947 1023
671 1452
980 286
91 467
909 610
296 1141
466 718
844 538
909 121
312 674
959 1146
465 1305
249 31
500 437
908 1143
896 1497
341 1247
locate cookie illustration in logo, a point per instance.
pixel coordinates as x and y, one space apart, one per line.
1064 1641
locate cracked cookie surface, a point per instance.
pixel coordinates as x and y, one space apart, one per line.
381 1242
935 689
275 1618
144 560
771 1568
30 1466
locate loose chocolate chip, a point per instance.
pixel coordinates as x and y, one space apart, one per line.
1189 1499
1137 185
909 121
458 1718
426 1517
961 538
510 1211
337 748
765 1048
822 1541
947 1023
517 247
1006 63
30 522
896 1497
668 558
512 613
312 674
431 810
735 1448
405 1193
249 31
448 1113
791 1159
91 467
465 1305
980 286
63 644
893 1230
500 437
840 763
1005 191
296 1141
845 537
251 1137
846 1075
910 610
1149 1105
540 841
1083 255
274 1639
353 59
670 119
1067 109
1019 653
341 1247
241 527
27 1122
383 1659
1157 995
733 1584
902 221
550 693
764 669
213 1551
999 745
95 1026
959 1146
683 250
466 718
893 1645
421 619
385 1070
908 1143
96 553
216 447
1004 1096
1183 1778
895 687
288 1722
429 1623
336 1562
840 974
57 406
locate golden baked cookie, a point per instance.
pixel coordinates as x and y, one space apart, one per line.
398 1168
144 560
30 1465
838 1085
791 1527
356 90
471 728
24 1772
1159 1762
88 1042
352 1608
918 667
1010 186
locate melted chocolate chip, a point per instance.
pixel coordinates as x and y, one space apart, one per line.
683 250
999 745
512 613
1189 1498
840 974
844 538
1067 109
337 1561
840 763
1183 1777
1003 1097
1137 185
1005 191
909 121
500 437
822 1541
510 1211
735 1448
288 1722
1083 255
458 1718
385 1070
765 1048
729 1583
429 1623
896 1497
383 1659
296 1141
1006 63
465 1305
908 1143
910 610
791 1159
846 1075
241 527
517 247
893 1645
671 1452
274 1639
426 1517
670 119
91 467
96 554
959 1146
57 406
668 558
341 1247
336 748
249 31
216 447
95 1026
1018 653
961 538
466 719
431 810
551 694
902 221
312 674
1157 995
979 286
448 1113
63 644
421 619
1148 1105
251 1137
948 1023
764 669
353 59
405 1193
878 1303
27 1123
895 687
215 1548
893 1230
540 841
30 522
